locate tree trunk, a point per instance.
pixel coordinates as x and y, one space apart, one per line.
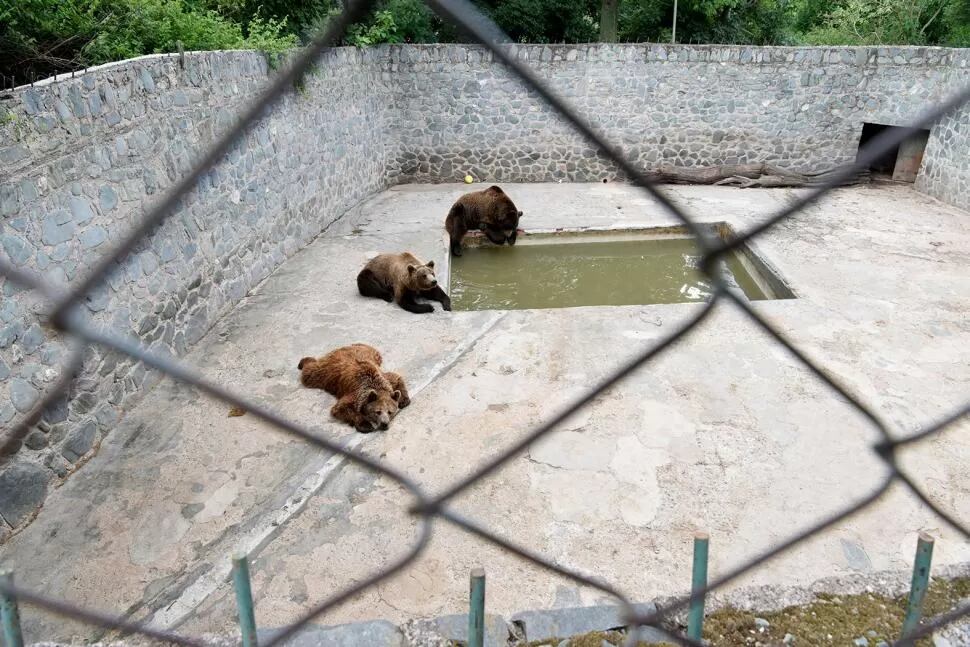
749 175
608 16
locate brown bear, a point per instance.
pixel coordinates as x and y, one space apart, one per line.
401 278
490 211
367 397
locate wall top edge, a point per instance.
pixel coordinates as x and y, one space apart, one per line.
915 56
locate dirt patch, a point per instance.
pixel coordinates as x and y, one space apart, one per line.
828 620
596 639
831 619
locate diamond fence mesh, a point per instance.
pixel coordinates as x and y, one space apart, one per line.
67 317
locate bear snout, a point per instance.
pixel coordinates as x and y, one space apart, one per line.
496 237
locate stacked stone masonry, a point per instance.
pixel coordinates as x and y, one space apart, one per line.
82 158
945 173
456 109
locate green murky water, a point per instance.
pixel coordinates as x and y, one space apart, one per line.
563 275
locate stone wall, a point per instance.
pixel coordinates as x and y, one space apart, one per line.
801 108
81 159
946 164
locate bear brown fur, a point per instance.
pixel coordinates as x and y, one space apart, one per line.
490 211
401 278
367 397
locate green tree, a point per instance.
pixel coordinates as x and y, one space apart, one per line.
299 16
43 37
609 13
546 21
758 22
645 20
391 21
956 19
882 22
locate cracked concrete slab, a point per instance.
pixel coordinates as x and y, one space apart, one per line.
726 432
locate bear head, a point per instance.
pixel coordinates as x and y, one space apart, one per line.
422 276
502 223
378 408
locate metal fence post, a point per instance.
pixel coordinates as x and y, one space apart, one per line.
9 614
698 580
244 599
921 578
476 608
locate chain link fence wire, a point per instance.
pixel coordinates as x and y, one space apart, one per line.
67 316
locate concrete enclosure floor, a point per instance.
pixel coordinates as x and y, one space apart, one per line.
726 432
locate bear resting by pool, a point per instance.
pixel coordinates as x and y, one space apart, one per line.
401 278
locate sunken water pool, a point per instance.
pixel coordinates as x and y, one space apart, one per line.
600 268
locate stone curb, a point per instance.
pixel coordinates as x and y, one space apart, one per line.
375 633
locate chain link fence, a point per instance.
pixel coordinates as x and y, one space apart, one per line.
67 317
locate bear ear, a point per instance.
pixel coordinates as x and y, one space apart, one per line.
411 269
371 396
520 214
396 395
430 264
495 189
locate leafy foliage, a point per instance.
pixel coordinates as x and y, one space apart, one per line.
757 22
380 29
395 21
957 18
40 37
883 22
544 21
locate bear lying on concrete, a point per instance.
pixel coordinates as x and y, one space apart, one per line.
490 210
401 278
367 397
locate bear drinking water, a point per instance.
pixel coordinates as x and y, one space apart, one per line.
367 397
490 210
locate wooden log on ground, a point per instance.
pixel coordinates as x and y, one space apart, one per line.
750 175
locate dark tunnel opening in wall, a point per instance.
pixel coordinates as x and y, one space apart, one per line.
900 164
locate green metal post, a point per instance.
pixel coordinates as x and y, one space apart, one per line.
9 614
244 600
476 608
695 616
921 580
